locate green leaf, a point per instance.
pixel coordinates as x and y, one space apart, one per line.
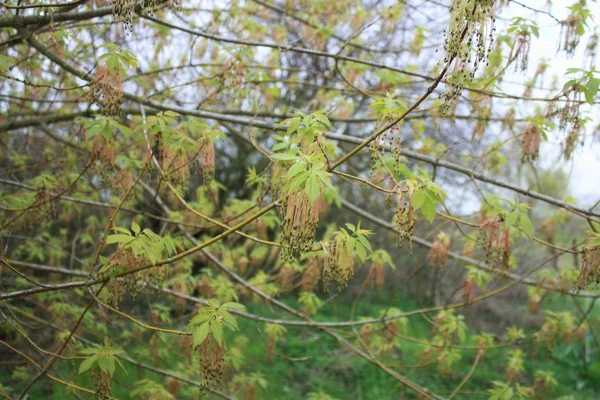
428 209
284 157
511 218
135 227
217 331
322 118
200 334
87 364
235 306
111 365
103 363
230 320
418 199
293 126
122 239
526 225
312 188
6 62
296 168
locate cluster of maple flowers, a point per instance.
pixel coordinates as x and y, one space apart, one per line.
338 263
102 385
299 224
404 219
376 273
211 363
438 254
392 138
494 236
205 163
468 39
590 266
532 138
107 89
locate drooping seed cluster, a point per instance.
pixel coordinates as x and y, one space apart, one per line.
468 39
299 224
438 254
404 219
107 90
102 385
495 239
338 264
211 364
532 138
590 268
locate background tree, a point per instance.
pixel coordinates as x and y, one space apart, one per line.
299 199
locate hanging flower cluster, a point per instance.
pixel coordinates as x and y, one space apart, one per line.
174 162
338 263
125 9
387 110
574 138
311 274
177 148
102 361
569 113
590 266
573 28
591 50
494 236
208 341
103 151
107 89
469 40
299 224
206 161
404 220
102 385
468 288
523 29
532 138
482 109
340 253
375 274
285 277
136 248
211 363
438 254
